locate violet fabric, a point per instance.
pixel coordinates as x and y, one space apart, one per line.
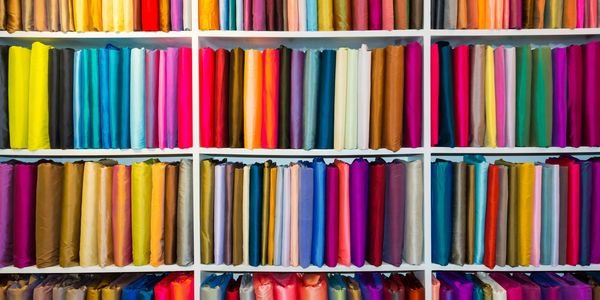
6 217
559 94
359 178
393 232
296 103
25 178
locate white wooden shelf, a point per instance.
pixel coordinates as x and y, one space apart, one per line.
95 269
385 268
482 268
307 153
515 150
512 32
96 35
94 152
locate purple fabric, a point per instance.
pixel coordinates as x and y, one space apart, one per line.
513 288
305 214
332 215
462 286
258 15
591 105
446 292
595 221
359 178
371 285
152 62
171 99
393 230
25 179
577 289
6 218
296 96
574 94
550 288
559 95
176 15
529 288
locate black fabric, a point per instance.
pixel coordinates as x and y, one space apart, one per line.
4 134
65 98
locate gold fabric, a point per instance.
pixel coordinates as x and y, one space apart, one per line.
47 211
71 214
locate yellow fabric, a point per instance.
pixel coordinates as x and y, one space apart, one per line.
525 175
88 242
325 15
38 136
96 16
118 15
81 12
127 15
253 81
482 14
104 235
141 196
107 15
208 14
18 95
490 99
157 214
272 195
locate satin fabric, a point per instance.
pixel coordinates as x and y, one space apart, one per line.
270 130
414 100
524 78
37 134
358 210
393 106
459 205
185 249
121 215
47 213
481 168
501 231
376 105
413 224
490 99
207 97
18 89
137 94
393 239
88 246
141 198
375 219
332 216
157 214
309 111
351 121
4 130
442 176
491 217
542 98
344 240
461 94
446 135
296 98
510 93
574 95
313 286
6 217
477 98
305 213
364 100
325 109
71 214
525 211
253 80
184 100
341 73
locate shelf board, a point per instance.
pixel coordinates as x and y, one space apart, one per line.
94 152
96 35
366 268
370 34
482 268
514 151
95 269
306 153
512 32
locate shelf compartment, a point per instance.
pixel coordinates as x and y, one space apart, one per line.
345 269
95 269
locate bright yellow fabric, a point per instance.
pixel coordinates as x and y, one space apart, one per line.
272 203
18 96
81 11
490 99
526 177
118 15
141 197
38 136
208 12
107 15
157 214
96 17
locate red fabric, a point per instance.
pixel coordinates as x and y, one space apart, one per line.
233 289
376 212
150 15
491 217
573 207
221 98
207 97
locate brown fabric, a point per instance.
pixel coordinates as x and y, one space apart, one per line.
400 14
53 15
3 15
377 75
512 215
39 15
462 22
472 13
393 100
71 214
527 17
238 193
538 13
569 14
416 14
236 98
47 211
13 15
27 15
470 243
137 15
171 180
66 15
165 15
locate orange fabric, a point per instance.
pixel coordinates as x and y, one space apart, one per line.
183 287
569 14
344 210
491 217
482 14
314 286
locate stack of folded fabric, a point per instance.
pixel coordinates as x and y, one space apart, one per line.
129 286
96 15
525 96
514 14
310 15
313 99
95 98
312 213
516 214
535 286
96 213
291 286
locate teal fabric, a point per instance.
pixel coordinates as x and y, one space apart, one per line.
441 208
481 168
309 115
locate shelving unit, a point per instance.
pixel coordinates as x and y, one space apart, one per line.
230 39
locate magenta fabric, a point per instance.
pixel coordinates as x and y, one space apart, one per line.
375 21
184 98
530 290
591 105
574 95
595 221
359 178
513 288
559 97
162 100
6 217
25 179
171 101
576 288
332 215
461 94
151 92
414 99
258 15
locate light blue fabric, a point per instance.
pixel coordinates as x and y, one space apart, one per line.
125 82
311 92
137 98
94 85
481 169
223 10
311 15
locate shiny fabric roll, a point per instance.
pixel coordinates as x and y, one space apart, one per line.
364 94
477 98
393 238
206 210
574 95
47 213
171 187
137 94
414 100
141 197
459 205
344 240
71 214
371 285
18 89
313 286
151 91
255 213
340 98
393 104
185 248
219 213
6 217
461 95
184 100
358 210
491 217
441 200
4 130
214 287
413 213
501 230
305 213
121 215
25 177
377 88
220 97
525 202
446 95
88 247
309 111
491 129
351 124
319 212
296 98
270 129
591 136
524 79
207 97
104 227
480 203
326 103
542 98
253 80
157 214
332 215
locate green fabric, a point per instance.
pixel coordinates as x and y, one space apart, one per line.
541 106
523 95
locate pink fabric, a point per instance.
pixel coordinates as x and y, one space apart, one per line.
534 259
500 97
388 14
461 94
184 105
506 22
513 288
162 100
207 97
580 13
171 103
435 92
593 14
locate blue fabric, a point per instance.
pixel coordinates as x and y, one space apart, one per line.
481 169
318 238
124 97
77 102
104 99
94 99
214 281
477 289
441 211
141 288
223 10
326 100
371 285
84 92
137 98
305 213
311 15
114 73
256 187
586 212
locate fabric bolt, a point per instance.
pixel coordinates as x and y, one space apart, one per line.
236 86
220 92
207 100
500 85
332 217
185 249
524 100
47 213
480 204
591 136
296 98
351 115
344 241
510 93
309 109
376 217
574 95
490 99
339 110
253 81
446 135
364 93
542 98
71 214
6 223
325 110
184 96
121 215
141 198
413 216
358 207
393 239
477 98
4 129
461 94
526 175
377 87
458 214
393 104
270 130
491 217
441 200
501 232
414 101
305 213
536 217
18 89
